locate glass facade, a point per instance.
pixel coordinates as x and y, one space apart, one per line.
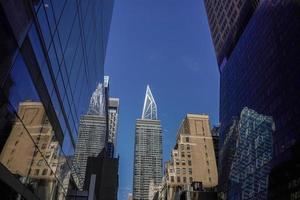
251 161
51 56
262 73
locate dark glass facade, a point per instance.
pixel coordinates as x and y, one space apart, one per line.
262 73
51 58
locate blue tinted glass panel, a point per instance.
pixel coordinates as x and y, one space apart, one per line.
43 23
58 6
66 21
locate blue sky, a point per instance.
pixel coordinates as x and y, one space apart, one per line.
166 44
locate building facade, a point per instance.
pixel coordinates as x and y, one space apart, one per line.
91 141
261 72
250 168
226 20
147 150
226 156
102 177
113 114
193 157
92 136
52 53
22 158
215 133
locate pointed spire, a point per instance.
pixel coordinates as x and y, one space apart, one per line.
97 106
150 108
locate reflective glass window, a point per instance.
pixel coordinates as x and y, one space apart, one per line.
29 149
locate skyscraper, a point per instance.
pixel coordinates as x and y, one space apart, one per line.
147 150
92 136
193 157
227 19
251 162
113 114
51 53
261 72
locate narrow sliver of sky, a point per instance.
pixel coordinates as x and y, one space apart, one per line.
166 44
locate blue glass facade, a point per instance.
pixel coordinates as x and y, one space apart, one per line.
262 73
251 161
51 58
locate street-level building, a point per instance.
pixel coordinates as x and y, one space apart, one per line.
193 157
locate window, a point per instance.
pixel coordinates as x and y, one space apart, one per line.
44 146
190 171
172 178
188 147
189 162
40 162
191 179
12 151
48 154
45 172
207 162
178 179
35 153
184 179
208 170
36 172
187 139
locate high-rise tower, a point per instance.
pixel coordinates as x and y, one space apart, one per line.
92 134
259 69
227 19
148 149
113 113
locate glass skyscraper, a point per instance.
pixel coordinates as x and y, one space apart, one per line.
147 150
51 58
251 161
92 134
261 71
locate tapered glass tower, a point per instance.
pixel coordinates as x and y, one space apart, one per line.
148 149
92 134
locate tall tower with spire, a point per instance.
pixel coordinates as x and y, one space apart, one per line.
148 149
92 137
150 108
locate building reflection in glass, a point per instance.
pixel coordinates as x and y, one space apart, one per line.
252 155
32 153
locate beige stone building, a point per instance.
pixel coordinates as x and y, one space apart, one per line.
193 157
31 150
